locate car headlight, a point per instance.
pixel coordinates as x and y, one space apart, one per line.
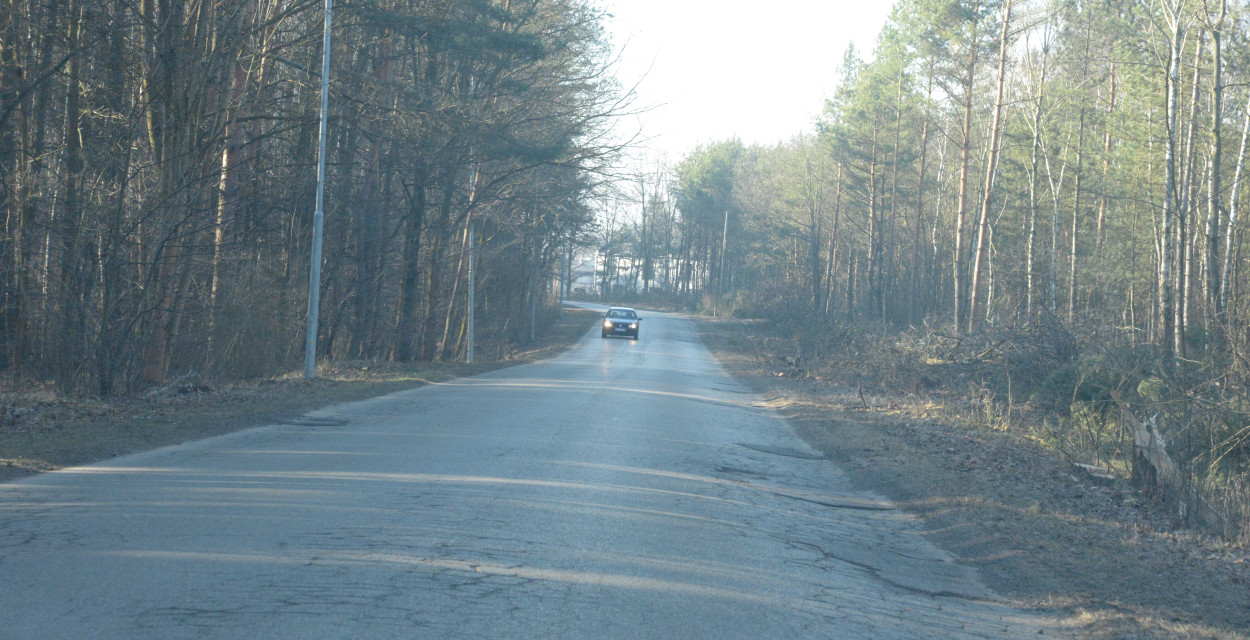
607 324
633 325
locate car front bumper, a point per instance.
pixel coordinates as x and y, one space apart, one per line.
620 330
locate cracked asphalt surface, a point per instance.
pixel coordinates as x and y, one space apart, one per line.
626 489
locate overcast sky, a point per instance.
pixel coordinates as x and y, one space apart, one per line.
758 70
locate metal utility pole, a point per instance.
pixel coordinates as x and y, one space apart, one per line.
720 272
314 275
468 356
472 291
564 273
564 257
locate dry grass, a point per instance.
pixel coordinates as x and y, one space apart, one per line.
1110 561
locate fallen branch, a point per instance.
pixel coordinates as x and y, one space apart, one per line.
1149 448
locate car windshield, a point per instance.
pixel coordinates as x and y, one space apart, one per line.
624 314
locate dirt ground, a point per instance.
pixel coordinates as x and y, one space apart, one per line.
1041 532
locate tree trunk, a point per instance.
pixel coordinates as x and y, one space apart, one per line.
965 158
888 275
833 244
1231 231
73 278
1031 249
410 278
228 192
815 205
991 167
1076 216
1104 200
1214 305
1167 320
913 310
874 233
1184 248
12 174
439 239
853 263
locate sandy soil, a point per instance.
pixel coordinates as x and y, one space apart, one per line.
1041 531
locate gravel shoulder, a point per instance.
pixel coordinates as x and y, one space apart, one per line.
1044 535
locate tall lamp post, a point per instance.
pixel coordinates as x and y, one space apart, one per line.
314 275
468 354
472 283
566 261
720 272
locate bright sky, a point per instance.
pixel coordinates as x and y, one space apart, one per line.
758 70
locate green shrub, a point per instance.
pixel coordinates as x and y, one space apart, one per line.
1152 389
1090 380
1090 433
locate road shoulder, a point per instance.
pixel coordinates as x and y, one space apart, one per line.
1041 534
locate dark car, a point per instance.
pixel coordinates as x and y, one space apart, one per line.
620 321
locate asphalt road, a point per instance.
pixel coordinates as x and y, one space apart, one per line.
627 489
